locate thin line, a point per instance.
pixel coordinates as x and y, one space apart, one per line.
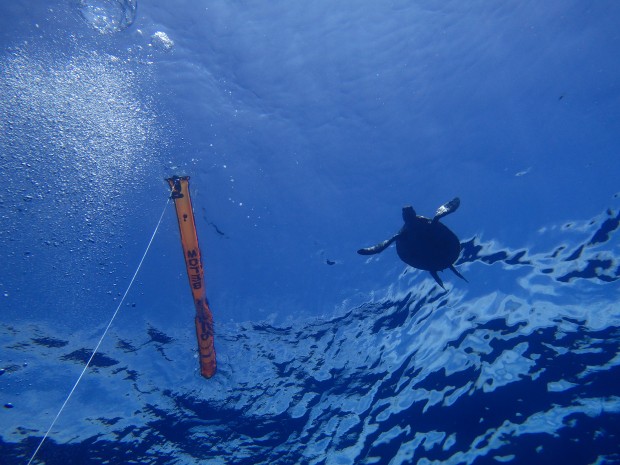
102 336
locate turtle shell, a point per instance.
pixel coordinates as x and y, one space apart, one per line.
427 246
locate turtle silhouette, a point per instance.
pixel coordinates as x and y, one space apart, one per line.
423 243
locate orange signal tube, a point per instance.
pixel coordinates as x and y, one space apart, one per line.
195 273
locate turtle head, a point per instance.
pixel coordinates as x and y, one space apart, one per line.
408 214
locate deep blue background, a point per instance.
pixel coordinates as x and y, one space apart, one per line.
305 127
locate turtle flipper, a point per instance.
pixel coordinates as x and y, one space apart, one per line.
458 274
438 279
377 248
447 208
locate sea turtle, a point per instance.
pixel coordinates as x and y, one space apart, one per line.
424 243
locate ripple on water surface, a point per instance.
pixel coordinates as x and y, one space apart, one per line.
421 376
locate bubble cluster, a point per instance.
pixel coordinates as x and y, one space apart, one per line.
79 115
108 16
162 41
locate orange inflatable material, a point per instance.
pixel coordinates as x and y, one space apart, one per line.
195 273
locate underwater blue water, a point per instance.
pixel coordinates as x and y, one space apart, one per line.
305 127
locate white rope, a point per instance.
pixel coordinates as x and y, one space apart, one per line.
102 336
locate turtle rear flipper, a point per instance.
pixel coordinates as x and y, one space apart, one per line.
438 279
447 208
457 273
377 248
